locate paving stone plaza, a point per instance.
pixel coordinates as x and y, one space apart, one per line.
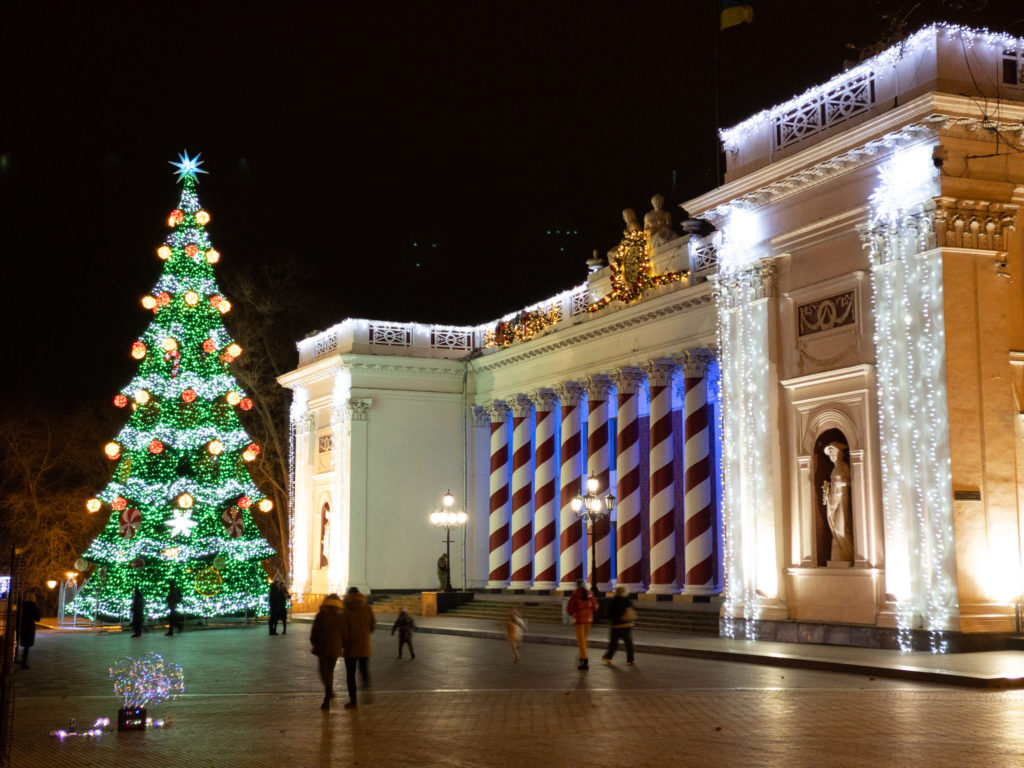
253 700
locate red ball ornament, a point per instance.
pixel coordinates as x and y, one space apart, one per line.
189 395
120 401
163 299
244 502
191 250
246 404
177 216
156 446
119 503
209 346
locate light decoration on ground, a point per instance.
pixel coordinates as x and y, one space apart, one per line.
742 290
96 729
632 272
907 293
925 38
146 681
176 495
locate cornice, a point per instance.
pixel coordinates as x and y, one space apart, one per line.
326 367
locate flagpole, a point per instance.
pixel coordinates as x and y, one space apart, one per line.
715 20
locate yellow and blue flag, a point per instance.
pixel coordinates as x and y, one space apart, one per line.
733 12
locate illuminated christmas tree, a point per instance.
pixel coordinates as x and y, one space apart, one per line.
181 498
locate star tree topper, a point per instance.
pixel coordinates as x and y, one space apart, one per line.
188 166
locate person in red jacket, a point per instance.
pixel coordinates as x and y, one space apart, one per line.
582 606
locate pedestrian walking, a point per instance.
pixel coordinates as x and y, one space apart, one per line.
174 619
404 624
621 615
325 638
138 612
357 622
27 626
515 625
582 606
278 607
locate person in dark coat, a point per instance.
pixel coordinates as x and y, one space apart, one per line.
278 607
326 640
174 618
27 626
621 614
404 624
357 623
138 612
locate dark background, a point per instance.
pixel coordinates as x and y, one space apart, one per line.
418 161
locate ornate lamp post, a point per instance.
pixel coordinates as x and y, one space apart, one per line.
447 518
588 507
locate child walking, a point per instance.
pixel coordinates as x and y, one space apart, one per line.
405 626
514 626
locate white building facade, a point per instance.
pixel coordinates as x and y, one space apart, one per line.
814 411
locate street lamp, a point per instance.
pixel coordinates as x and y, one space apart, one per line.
588 507
447 518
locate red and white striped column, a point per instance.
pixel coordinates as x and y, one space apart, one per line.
662 474
599 392
629 524
545 503
698 502
571 541
522 492
498 545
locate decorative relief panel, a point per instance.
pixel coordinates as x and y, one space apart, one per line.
973 223
826 314
325 450
825 110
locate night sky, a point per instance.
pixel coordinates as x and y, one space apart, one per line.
411 157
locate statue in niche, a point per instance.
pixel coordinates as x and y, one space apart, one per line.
835 495
658 223
325 536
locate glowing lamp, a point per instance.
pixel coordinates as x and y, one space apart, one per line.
169 344
233 398
191 298
51 583
119 503
209 346
251 452
113 450
120 401
142 397
234 350
189 395
138 350
191 250
164 252
244 502
202 218
224 306
212 256
93 505
156 447
245 404
177 217
265 505
149 302
185 501
170 553
216 447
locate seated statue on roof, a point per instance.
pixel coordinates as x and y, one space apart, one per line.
658 223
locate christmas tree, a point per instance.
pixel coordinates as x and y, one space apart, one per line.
181 497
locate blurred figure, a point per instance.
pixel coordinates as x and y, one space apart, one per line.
278 607
621 615
27 626
404 624
327 643
138 612
582 606
174 619
515 625
357 622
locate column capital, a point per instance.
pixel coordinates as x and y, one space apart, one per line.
520 406
695 362
480 416
661 371
570 392
497 411
357 409
544 399
629 379
598 386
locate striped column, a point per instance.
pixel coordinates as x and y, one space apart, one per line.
522 492
629 524
545 503
498 545
662 473
572 543
599 389
698 502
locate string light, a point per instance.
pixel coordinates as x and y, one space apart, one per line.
147 680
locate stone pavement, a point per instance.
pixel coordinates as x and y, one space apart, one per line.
253 700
